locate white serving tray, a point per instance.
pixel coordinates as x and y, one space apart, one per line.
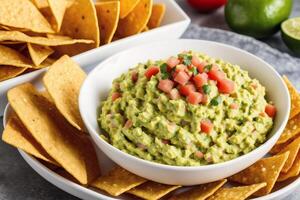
174 23
106 164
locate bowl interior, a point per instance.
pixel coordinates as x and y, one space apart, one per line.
99 81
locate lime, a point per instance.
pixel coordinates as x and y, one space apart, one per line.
257 18
290 32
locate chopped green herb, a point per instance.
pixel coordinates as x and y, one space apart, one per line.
164 71
206 89
186 59
216 101
207 67
194 71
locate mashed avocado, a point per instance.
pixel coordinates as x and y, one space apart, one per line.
189 110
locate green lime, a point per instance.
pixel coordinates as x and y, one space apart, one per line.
257 18
290 32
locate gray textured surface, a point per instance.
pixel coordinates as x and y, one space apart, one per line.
19 181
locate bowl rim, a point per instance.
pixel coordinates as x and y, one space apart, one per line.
97 137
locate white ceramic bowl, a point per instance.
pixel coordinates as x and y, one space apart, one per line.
99 81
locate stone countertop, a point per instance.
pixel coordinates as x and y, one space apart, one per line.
19 181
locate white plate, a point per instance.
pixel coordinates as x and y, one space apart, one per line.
173 25
106 164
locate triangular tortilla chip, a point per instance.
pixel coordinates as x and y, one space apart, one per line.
16 135
265 170
38 53
294 170
158 12
58 8
118 181
40 4
291 130
278 147
108 17
126 7
72 150
8 72
236 193
63 81
295 98
80 21
152 190
12 36
12 57
293 148
200 192
136 20
23 14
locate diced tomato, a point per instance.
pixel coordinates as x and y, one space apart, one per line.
270 110
174 94
182 78
196 61
115 95
226 86
199 154
234 106
165 85
187 89
200 79
128 123
165 141
141 146
134 76
206 126
216 75
194 98
253 85
201 66
151 71
204 99
172 62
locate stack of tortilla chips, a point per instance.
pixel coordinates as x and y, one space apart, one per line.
47 125
35 33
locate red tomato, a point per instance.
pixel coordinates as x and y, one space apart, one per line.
115 95
206 126
172 62
234 106
165 141
201 66
165 85
128 123
194 98
182 78
226 86
187 89
174 94
199 154
151 71
206 5
204 99
200 79
196 61
270 110
216 75
134 76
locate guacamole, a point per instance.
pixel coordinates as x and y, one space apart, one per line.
188 110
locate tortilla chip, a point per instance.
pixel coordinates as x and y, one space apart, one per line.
63 81
58 8
291 130
108 17
236 193
17 36
16 135
294 170
80 21
126 6
136 20
23 14
118 181
293 148
12 57
39 53
145 29
200 192
295 98
152 190
265 170
278 147
72 150
8 72
40 3
66 175
158 12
